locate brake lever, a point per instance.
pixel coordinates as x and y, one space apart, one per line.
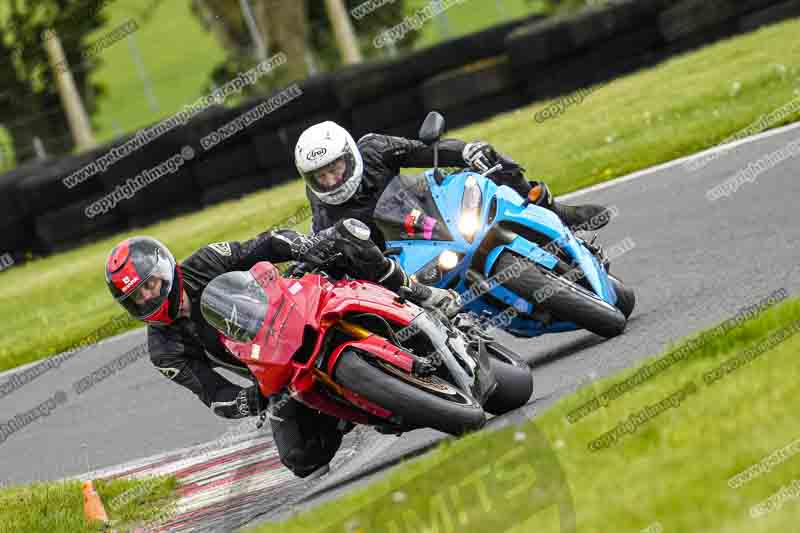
298 270
492 170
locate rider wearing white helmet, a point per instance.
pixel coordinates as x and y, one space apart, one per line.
345 179
330 162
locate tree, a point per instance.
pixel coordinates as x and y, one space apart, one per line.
29 102
298 28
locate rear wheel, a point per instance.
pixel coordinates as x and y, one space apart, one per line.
421 402
514 381
566 300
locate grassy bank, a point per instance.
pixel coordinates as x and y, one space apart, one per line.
684 105
58 507
674 470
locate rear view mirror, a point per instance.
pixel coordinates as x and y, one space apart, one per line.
432 128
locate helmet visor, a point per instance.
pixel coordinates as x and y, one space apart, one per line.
147 296
333 175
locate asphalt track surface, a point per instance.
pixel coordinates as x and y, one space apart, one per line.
694 264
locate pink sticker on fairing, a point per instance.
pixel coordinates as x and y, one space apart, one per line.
427 227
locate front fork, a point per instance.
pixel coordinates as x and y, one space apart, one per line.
598 251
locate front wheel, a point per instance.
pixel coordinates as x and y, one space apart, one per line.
514 380
626 298
418 401
565 300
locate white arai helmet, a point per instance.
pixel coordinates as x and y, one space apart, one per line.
327 157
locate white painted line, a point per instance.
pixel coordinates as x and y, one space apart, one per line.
676 162
10 372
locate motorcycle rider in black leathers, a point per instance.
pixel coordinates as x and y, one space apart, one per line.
145 279
345 179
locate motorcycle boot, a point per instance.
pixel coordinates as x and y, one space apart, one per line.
588 217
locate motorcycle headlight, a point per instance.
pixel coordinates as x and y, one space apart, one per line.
432 272
469 221
448 260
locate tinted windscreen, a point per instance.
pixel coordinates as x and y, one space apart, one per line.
235 304
406 210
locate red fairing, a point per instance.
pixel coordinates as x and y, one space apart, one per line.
364 296
315 302
379 347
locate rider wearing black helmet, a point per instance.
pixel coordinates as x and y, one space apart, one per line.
145 279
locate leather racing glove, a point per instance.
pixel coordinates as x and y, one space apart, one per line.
480 156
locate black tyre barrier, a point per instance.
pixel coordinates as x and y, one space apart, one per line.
709 35
545 41
688 17
234 189
221 166
469 84
61 228
271 150
177 190
597 25
621 55
770 15
45 190
148 218
364 83
409 130
151 154
210 120
394 108
276 176
17 237
537 44
11 206
317 98
486 108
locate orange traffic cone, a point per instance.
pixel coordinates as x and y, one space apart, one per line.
92 505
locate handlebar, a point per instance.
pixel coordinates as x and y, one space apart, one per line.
302 268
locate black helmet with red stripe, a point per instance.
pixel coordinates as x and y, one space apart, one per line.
145 279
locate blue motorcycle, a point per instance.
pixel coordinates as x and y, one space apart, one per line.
513 262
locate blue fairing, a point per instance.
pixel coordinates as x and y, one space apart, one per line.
510 208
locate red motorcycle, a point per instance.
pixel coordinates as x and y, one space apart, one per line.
359 352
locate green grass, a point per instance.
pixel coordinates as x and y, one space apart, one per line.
57 507
469 16
672 470
688 101
179 55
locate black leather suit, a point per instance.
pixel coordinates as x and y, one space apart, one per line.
188 350
384 156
